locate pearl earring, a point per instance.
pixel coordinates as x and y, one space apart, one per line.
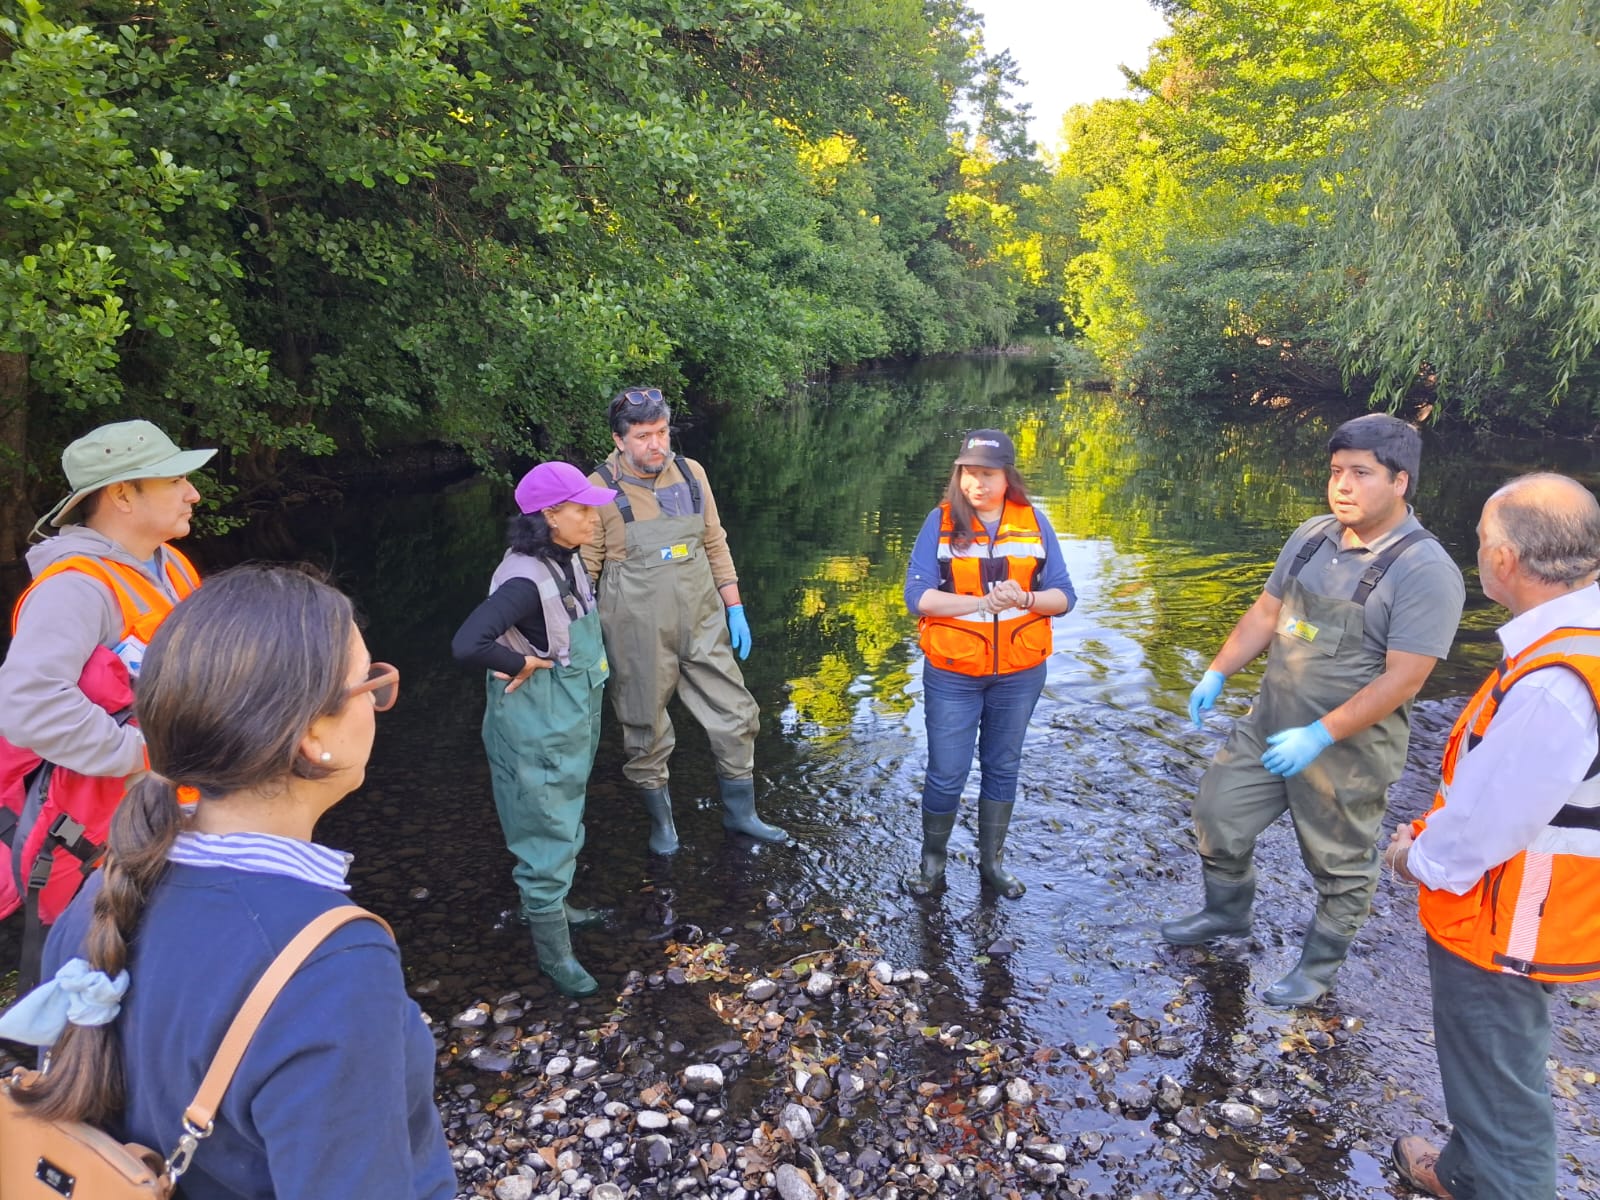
327 757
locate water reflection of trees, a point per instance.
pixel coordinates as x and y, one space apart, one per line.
1173 519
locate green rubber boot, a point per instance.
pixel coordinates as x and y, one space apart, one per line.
552 942
993 821
579 918
1321 956
739 812
663 833
1226 912
936 829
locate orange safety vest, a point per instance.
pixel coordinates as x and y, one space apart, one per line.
144 606
989 643
1537 914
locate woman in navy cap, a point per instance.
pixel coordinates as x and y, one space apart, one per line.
985 577
538 637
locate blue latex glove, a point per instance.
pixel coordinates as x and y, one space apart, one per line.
1294 749
739 631
1205 694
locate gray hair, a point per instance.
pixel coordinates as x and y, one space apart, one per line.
1552 522
636 406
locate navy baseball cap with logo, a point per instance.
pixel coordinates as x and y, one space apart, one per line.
986 448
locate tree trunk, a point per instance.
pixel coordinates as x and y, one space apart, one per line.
15 513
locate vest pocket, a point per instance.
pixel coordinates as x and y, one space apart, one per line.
950 646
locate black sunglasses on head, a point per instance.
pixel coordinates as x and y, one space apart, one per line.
639 397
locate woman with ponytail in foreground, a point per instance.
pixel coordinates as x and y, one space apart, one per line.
259 695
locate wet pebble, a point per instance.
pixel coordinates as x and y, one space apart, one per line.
652 1120
761 990
819 984
1169 1095
1019 1091
1242 1116
794 1184
472 1018
703 1078
796 1122
1265 1098
514 1187
1134 1096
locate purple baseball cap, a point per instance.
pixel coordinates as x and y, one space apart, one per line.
553 483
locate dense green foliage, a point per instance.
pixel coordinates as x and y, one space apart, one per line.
296 224
1395 198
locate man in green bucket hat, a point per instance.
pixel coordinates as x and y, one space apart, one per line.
107 579
100 588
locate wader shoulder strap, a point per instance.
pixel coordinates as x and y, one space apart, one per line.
1384 561
569 599
1309 548
696 500
624 505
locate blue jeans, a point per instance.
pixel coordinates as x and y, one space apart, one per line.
990 712
1492 1034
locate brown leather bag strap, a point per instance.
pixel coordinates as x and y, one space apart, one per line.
226 1062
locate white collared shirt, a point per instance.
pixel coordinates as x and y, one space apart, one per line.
1539 746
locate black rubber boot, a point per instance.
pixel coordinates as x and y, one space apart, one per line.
578 918
1321 956
993 821
663 833
1226 914
936 829
553 944
739 812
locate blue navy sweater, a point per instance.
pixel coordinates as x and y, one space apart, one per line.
334 1097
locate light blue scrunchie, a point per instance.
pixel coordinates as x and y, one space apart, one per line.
78 995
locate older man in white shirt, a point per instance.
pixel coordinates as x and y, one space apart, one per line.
1509 857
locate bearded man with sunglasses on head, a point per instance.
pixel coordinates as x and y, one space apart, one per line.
672 617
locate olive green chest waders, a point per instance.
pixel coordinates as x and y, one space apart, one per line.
541 740
666 631
1318 660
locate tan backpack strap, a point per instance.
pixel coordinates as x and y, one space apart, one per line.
226 1062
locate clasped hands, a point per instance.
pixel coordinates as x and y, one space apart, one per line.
1008 593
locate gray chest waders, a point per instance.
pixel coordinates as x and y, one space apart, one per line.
667 633
1317 661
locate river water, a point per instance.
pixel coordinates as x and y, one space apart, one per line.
1169 526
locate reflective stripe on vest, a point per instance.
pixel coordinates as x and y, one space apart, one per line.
1538 913
142 604
989 643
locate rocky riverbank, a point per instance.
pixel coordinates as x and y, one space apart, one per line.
832 1080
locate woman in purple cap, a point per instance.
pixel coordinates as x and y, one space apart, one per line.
538 637
985 577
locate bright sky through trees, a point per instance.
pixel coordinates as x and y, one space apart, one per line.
1069 50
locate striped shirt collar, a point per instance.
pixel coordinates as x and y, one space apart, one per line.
264 854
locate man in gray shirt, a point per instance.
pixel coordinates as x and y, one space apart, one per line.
1360 605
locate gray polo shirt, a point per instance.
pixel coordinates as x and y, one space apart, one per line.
1417 604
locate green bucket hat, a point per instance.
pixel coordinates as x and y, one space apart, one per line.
115 454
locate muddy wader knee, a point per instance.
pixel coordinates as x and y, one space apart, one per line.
936 829
1226 912
993 821
739 812
552 942
663 833
1321 956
